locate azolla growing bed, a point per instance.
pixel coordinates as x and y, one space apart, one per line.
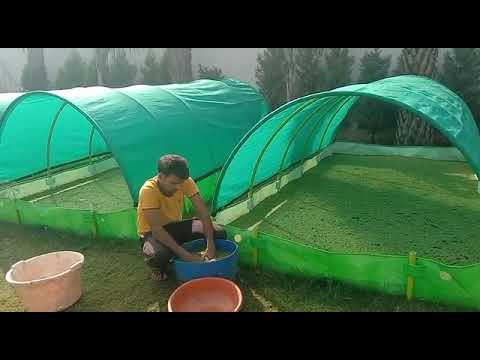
378 205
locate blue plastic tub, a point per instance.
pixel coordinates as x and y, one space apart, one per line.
226 267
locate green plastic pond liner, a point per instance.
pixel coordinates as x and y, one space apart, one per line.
8 211
201 120
120 225
305 126
434 282
80 222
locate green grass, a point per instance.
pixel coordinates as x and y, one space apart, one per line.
379 205
116 279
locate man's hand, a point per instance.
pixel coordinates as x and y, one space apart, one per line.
210 253
153 217
192 257
204 216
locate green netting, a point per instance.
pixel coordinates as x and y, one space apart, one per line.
202 121
307 125
6 99
433 281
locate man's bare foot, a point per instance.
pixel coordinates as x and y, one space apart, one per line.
159 276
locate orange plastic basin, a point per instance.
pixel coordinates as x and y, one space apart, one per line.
208 294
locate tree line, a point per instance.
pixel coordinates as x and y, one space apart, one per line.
111 67
284 74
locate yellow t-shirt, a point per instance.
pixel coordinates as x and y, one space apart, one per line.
151 197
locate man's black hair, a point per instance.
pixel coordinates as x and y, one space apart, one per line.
174 165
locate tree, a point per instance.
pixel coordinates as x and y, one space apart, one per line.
101 63
288 60
373 66
290 55
7 83
410 129
165 77
339 65
120 73
103 58
270 76
91 77
179 63
34 74
73 73
374 115
461 74
310 75
155 72
151 69
212 73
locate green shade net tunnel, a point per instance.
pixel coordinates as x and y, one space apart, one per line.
203 120
304 127
74 160
298 137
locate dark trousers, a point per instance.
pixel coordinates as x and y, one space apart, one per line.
157 256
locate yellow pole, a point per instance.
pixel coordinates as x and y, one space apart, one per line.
412 260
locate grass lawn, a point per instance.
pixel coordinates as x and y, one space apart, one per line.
116 279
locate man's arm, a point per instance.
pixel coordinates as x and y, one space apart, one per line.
204 216
153 218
